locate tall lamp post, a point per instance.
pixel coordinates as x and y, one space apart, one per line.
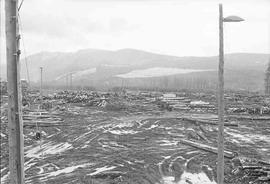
220 166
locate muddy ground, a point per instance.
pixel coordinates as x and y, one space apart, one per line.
133 145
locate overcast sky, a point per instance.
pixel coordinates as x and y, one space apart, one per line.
175 27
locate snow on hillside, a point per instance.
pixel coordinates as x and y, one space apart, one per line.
84 72
61 76
157 72
78 74
115 66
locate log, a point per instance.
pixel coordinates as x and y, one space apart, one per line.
266 169
208 148
264 162
40 121
44 125
39 116
193 120
202 136
252 167
264 178
258 118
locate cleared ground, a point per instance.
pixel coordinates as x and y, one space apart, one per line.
134 145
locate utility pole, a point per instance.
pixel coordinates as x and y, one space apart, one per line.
71 81
67 81
27 70
41 82
15 123
220 165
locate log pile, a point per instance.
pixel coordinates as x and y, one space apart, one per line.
258 169
254 168
41 119
202 106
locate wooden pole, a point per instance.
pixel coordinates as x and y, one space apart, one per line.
15 123
220 165
41 82
71 81
67 81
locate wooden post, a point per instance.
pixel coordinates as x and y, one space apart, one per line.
15 123
220 165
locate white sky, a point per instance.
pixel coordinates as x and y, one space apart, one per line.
175 27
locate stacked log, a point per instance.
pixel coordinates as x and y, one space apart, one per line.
262 172
41 119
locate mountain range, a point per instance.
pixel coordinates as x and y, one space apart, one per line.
130 67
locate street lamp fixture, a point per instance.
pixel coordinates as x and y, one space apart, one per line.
233 18
221 106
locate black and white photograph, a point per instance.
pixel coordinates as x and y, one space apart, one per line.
135 91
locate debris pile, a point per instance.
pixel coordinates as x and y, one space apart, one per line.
251 169
109 101
171 101
202 106
252 104
76 97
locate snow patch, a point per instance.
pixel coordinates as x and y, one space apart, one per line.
4 177
84 72
102 169
121 132
195 178
67 170
3 135
28 165
199 103
168 143
157 72
47 148
187 178
78 74
151 127
124 124
115 66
